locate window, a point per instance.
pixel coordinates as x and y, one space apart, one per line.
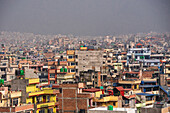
168 82
52 82
126 101
76 56
39 68
39 99
135 86
11 77
115 71
72 63
72 70
148 98
94 104
52 67
50 110
52 75
148 89
155 88
3 69
70 57
15 101
48 98
114 104
42 111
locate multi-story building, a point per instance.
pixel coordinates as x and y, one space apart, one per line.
86 64
71 100
43 97
167 74
138 53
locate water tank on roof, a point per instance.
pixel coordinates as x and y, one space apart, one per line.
21 72
65 69
1 81
61 70
110 107
101 87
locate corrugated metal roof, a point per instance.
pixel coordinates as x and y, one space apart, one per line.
145 94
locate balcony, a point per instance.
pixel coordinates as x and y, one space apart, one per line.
67 76
149 102
71 60
140 54
83 48
51 70
129 82
43 92
47 104
63 63
70 52
34 81
106 99
71 67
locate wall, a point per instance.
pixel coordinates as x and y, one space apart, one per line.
97 111
20 84
154 110
70 100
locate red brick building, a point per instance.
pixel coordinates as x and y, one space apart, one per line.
71 101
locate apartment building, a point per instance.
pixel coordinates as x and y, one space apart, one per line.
138 53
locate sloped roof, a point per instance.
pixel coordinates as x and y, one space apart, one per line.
120 88
92 90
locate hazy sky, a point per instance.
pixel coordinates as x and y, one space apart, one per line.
85 17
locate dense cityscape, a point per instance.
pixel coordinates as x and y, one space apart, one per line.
127 73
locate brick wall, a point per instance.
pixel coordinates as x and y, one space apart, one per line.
147 74
70 100
7 109
69 93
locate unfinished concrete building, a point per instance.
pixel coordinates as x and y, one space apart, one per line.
89 64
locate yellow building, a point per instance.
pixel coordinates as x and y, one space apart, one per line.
134 85
108 100
43 96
